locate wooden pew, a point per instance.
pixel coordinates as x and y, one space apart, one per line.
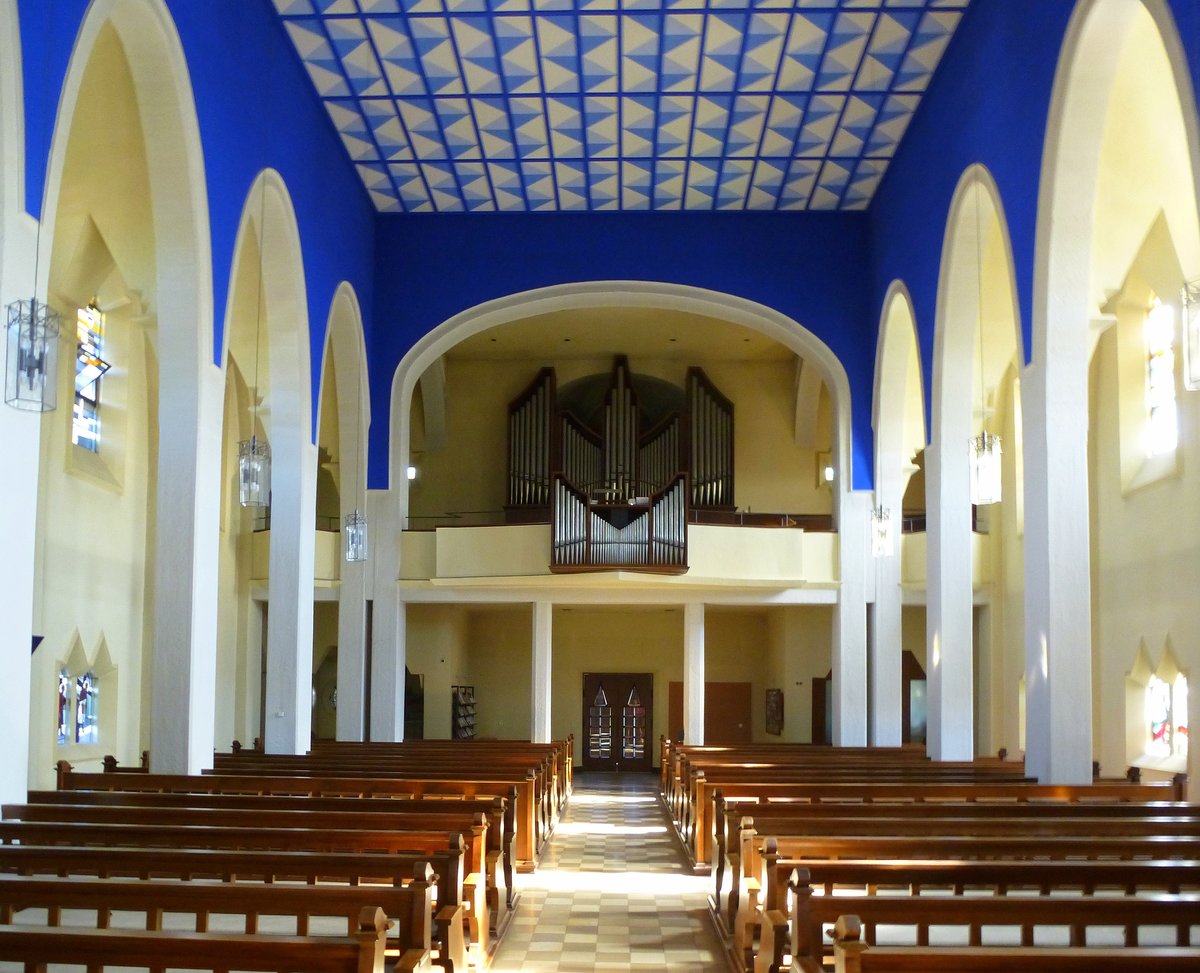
852 955
918 912
448 818
748 866
410 932
158 951
499 812
465 887
541 817
700 841
521 793
261 871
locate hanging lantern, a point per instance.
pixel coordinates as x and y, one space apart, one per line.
31 377
985 469
254 473
355 534
882 539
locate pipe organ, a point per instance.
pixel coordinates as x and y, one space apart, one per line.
618 483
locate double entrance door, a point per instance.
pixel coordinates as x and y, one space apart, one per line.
617 716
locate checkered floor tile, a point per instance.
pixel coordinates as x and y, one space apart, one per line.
613 891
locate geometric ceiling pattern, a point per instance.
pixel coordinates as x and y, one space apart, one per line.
535 105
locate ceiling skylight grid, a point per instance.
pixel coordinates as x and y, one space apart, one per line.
531 105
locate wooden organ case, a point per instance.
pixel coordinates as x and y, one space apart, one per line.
619 487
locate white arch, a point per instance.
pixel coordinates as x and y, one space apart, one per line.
975 213
186 509
12 119
644 294
897 364
268 214
850 509
1066 297
344 342
897 368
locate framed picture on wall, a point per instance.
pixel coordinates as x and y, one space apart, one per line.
775 711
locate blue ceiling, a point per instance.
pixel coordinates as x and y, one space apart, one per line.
534 105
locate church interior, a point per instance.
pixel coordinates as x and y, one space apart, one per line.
801 372
782 371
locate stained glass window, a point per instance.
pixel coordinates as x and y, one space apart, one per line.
600 727
1166 715
1162 434
89 366
633 727
87 709
64 707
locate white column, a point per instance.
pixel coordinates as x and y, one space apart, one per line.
388 622
184 662
850 623
290 613
949 634
693 673
886 649
543 653
352 648
21 434
1058 625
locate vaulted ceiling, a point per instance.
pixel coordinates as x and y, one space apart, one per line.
532 105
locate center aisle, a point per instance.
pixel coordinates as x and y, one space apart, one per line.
613 891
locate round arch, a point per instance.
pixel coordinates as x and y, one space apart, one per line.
737 310
1077 267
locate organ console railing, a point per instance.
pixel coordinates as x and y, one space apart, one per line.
617 496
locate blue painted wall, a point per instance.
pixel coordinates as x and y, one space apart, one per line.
988 104
808 266
256 109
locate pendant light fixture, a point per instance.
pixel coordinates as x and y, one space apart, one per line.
883 541
254 454
984 449
355 530
31 363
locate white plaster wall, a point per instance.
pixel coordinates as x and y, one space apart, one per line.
96 511
1146 556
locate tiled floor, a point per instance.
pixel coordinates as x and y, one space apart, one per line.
613 891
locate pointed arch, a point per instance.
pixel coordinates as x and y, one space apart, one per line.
345 359
270 218
1075 268
976 339
898 415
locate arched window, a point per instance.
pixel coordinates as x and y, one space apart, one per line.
64 707
1162 429
87 709
89 366
1166 717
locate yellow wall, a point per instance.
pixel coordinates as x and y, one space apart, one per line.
437 642
799 649
771 473
93 574
499 663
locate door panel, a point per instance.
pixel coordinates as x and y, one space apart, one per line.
617 716
726 712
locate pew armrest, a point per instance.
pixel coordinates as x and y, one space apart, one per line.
772 943
414 960
452 946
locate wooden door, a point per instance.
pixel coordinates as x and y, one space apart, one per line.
726 713
617 716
